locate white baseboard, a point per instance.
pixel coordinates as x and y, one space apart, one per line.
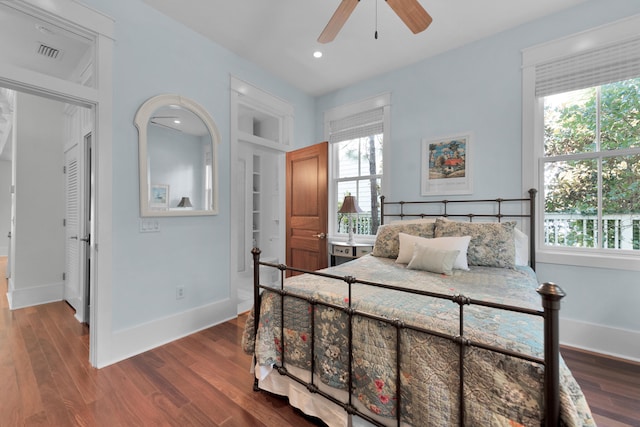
245 305
621 343
36 295
132 341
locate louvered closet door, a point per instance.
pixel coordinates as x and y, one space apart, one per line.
72 288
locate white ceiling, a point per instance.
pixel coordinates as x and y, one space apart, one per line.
281 35
39 46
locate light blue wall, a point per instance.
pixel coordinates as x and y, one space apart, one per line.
475 88
152 55
478 88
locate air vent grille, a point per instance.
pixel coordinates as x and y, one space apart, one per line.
48 51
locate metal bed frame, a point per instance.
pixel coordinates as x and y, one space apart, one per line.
550 293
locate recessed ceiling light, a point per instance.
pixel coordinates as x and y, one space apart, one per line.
44 30
317 54
176 121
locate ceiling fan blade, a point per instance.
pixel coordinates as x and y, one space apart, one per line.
412 14
338 19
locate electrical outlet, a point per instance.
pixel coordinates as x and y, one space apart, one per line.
180 292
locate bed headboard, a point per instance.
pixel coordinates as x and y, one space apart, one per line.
521 210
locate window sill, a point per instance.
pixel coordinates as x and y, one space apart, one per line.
589 258
369 240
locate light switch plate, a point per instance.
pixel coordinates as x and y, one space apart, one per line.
149 226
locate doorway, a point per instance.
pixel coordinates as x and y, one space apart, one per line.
260 219
48 222
92 91
261 134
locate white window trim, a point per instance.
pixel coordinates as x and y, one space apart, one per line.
532 147
384 101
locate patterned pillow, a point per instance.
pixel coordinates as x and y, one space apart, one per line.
387 243
492 244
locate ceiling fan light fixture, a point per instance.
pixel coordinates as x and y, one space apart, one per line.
317 54
410 12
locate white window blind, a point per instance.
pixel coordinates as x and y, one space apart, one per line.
356 126
595 67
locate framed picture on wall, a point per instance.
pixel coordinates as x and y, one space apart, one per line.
159 197
446 165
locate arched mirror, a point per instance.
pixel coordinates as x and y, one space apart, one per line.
177 145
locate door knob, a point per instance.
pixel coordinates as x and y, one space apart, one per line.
320 236
85 238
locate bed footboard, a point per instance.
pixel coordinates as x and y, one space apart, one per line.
550 293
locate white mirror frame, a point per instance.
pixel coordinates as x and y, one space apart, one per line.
142 118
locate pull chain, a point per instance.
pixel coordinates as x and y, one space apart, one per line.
376 33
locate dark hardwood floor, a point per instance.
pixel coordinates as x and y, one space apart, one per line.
611 386
200 380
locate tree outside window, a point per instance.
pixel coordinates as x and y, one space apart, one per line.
591 167
359 173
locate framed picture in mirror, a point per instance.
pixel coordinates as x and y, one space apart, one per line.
159 197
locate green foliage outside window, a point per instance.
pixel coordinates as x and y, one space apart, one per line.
592 136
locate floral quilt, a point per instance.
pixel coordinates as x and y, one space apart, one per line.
499 390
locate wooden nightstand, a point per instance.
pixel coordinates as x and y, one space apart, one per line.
341 252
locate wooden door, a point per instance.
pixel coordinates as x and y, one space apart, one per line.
307 199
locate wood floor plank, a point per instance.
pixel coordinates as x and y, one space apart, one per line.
30 401
147 363
123 401
611 387
59 378
70 347
215 403
10 406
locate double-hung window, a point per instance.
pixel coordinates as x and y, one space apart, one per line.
582 138
357 135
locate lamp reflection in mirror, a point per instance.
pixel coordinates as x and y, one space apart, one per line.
185 203
350 206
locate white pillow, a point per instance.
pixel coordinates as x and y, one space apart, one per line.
407 243
433 260
522 248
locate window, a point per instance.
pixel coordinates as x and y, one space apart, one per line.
581 132
357 136
591 167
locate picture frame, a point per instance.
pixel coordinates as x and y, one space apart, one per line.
446 165
159 197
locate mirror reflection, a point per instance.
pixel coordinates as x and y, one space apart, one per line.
177 158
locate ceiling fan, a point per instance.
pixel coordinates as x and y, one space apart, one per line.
410 11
